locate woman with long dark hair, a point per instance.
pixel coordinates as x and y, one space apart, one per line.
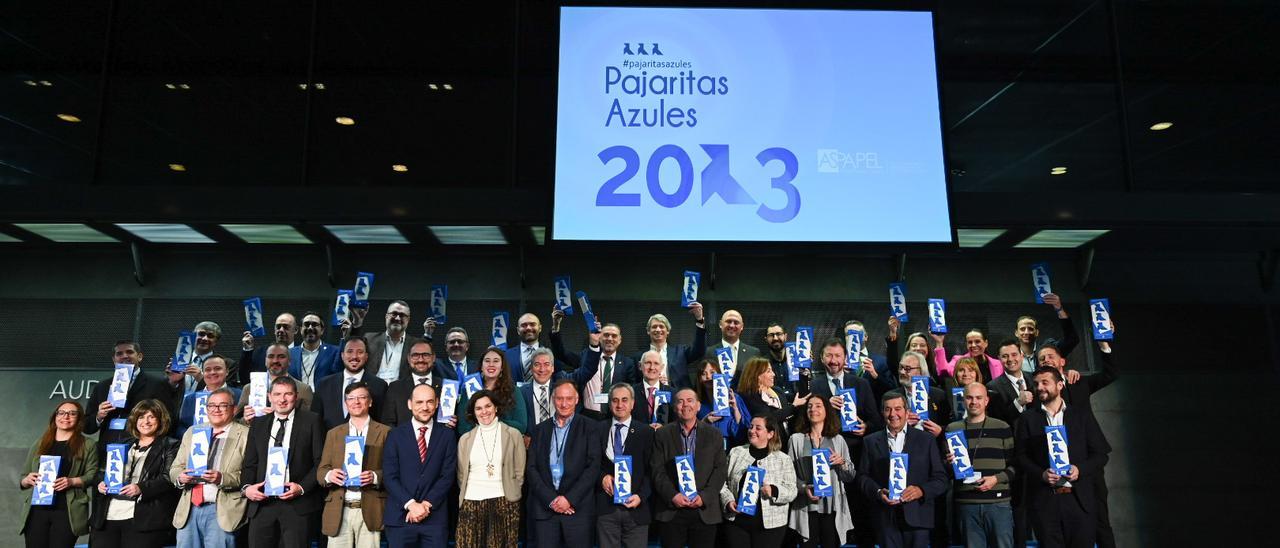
733 427
60 523
820 521
495 375
491 463
141 514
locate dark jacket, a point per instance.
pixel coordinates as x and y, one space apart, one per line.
154 508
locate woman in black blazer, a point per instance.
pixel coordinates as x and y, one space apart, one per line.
756 388
141 515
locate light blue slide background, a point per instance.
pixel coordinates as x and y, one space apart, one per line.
806 80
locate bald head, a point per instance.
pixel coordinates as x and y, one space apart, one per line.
731 325
975 402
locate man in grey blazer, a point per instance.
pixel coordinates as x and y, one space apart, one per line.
212 506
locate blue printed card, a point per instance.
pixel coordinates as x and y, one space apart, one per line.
937 316
588 315
201 443
113 475
253 322
184 352
898 302
725 358
793 365
1040 281
853 340
499 328
749 498
277 463
439 303
689 289
622 480
448 400
723 397
804 346
472 383
121 378
341 307
822 474
564 295
42 492
685 477
360 291
920 397
849 410
961 464
1100 318
199 409
957 404
353 460
1059 458
898 463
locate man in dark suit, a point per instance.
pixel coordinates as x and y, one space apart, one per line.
647 392
101 415
610 368
1062 507
537 393
423 369
330 392
529 327
683 520
563 471
420 463
677 357
314 359
775 341
288 519
1079 393
457 344
731 326
940 408
255 359
625 524
1010 396
903 521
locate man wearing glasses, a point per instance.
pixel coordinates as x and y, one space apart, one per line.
423 369
277 366
212 507
939 402
215 377
331 391
314 359
388 352
352 514
255 359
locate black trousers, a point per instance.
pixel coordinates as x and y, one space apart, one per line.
741 533
48 527
822 531
125 534
278 523
687 529
1062 522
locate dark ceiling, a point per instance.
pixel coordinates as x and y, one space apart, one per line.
245 94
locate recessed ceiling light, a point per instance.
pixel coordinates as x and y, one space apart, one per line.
166 233
1061 238
46 83
448 86
468 235
977 237
345 121
399 167
1058 171
433 87
184 86
66 233
177 167
320 86
1161 126
367 234
68 118
267 234
170 86
302 86
30 82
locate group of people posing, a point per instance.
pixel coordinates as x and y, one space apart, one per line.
543 445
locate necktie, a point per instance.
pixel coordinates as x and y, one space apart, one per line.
284 424
197 493
544 408
462 372
528 371
653 409
1017 398
607 379
424 380
422 444
617 439
350 381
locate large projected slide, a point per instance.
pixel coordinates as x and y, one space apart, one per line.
748 125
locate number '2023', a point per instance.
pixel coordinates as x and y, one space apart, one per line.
716 179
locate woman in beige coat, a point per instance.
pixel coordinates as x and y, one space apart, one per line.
491 461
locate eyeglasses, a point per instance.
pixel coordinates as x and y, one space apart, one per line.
357 398
206 334
906 367
312 324
67 414
775 335
420 354
456 341
217 406
398 314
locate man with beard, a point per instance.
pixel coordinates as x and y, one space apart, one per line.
519 357
1061 506
314 359
388 351
330 398
277 366
111 420
255 359
422 370
775 340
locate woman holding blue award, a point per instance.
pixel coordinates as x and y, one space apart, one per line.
58 468
135 499
759 488
821 513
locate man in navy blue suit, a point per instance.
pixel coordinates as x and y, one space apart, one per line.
529 327
563 471
329 401
456 346
424 368
625 524
904 521
676 358
611 367
420 465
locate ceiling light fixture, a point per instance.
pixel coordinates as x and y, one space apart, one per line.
1058 171
448 87
433 87
977 237
177 167
46 83
184 86
1060 239
170 86
320 86
267 234
399 168
30 83
345 121
69 118
166 233
1161 126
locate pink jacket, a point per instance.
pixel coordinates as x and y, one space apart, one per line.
948 368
